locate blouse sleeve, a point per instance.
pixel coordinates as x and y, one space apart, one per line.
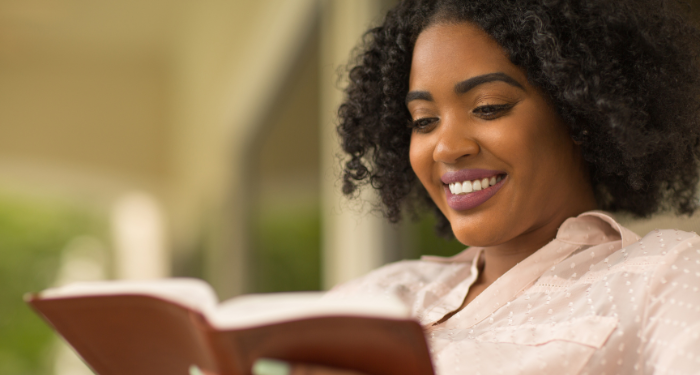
671 334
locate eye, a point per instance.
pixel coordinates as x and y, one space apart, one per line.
423 125
492 111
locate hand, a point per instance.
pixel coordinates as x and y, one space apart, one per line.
266 366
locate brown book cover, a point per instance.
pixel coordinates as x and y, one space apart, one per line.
119 328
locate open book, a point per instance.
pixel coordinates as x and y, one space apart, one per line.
175 326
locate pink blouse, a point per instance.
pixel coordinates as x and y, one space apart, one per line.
596 300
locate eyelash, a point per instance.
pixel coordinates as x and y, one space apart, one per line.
492 111
486 112
423 125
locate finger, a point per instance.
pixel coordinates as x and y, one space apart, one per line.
268 366
308 369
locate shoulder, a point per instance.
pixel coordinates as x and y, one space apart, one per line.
599 230
677 255
672 324
409 280
663 254
666 245
394 277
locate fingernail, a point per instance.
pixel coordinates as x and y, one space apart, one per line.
194 370
267 366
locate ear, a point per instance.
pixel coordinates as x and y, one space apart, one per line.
583 134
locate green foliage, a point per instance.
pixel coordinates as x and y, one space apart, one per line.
32 235
286 252
424 241
287 249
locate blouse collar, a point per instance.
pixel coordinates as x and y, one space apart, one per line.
588 229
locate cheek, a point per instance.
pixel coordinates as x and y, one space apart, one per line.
534 141
541 161
421 158
423 165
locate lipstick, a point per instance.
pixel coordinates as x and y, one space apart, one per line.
461 202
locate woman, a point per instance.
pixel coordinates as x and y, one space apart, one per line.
515 120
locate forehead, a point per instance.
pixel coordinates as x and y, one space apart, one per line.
453 52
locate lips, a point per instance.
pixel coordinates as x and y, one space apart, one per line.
460 200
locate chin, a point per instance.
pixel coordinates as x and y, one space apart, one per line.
481 228
478 237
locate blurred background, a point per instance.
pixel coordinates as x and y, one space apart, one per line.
154 138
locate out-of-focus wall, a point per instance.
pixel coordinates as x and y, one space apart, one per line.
145 113
231 59
83 95
354 237
100 100
150 108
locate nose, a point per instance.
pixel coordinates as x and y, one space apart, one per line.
454 142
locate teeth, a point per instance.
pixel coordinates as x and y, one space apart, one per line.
476 185
466 186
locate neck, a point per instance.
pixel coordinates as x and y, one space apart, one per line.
498 259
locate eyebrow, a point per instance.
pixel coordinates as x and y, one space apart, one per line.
466 85
418 95
469 84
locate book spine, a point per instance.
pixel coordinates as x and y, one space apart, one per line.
225 353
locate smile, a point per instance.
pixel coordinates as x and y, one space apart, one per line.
467 187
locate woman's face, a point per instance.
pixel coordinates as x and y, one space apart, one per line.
488 147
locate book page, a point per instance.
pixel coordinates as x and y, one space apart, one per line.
193 293
260 309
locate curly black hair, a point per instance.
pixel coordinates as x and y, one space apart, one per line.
623 74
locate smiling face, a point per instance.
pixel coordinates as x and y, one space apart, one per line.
488 147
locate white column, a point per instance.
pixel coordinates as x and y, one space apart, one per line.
352 236
139 238
85 258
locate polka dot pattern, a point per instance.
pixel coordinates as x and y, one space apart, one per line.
597 300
